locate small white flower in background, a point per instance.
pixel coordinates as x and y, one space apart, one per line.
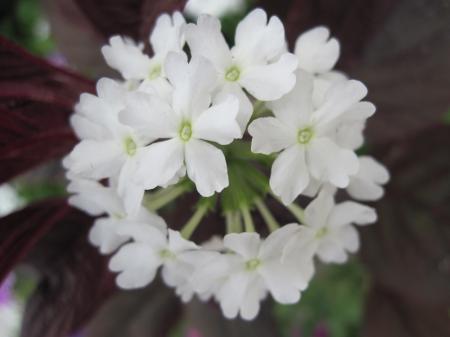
129 58
98 200
242 278
11 310
188 124
213 7
306 137
177 118
9 200
258 62
328 230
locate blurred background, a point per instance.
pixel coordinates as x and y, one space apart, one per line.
398 286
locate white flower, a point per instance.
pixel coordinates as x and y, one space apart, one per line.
138 261
306 137
188 124
242 278
108 148
328 231
366 185
257 63
213 7
96 199
129 58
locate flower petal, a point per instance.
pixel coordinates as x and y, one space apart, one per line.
316 52
258 41
289 176
295 108
218 123
206 39
159 163
206 167
103 234
245 105
269 135
167 34
351 212
272 81
178 244
329 162
137 264
245 244
318 210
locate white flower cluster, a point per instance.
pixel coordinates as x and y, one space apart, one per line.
182 121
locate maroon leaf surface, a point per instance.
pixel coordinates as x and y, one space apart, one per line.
408 251
22 230
36 100
133 18
73 277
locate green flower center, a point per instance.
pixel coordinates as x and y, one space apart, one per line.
166 254
232 74
130 146
185 131
155 72
321 232
304 135
252 264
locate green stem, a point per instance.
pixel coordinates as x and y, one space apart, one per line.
296 210
272 224
248 221
161 198
194 221
229 221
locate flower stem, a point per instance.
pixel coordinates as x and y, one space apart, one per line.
295 209
272 224
194 221
161 198
248 221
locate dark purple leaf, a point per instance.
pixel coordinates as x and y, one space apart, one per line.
133 18
408 250
22 230
73 279
36 100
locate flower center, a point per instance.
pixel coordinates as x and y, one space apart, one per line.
130 146
185 131
155 72
304 135
166 254
321 232
252 264
232 74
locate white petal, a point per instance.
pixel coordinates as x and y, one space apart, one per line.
245 105
257 40
349 237
159 163
245 244
167 34
318 210
151 116
269 135
96 159
233 293
316 52
206 39
206 167
272 247
152 236
329 162
111 91
126 57
331 251
218 123
137 264
365 185
289 176
86 129
103 234
279 279
295 108
338 99
256 291
323 82
179 244
270 82
352 212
